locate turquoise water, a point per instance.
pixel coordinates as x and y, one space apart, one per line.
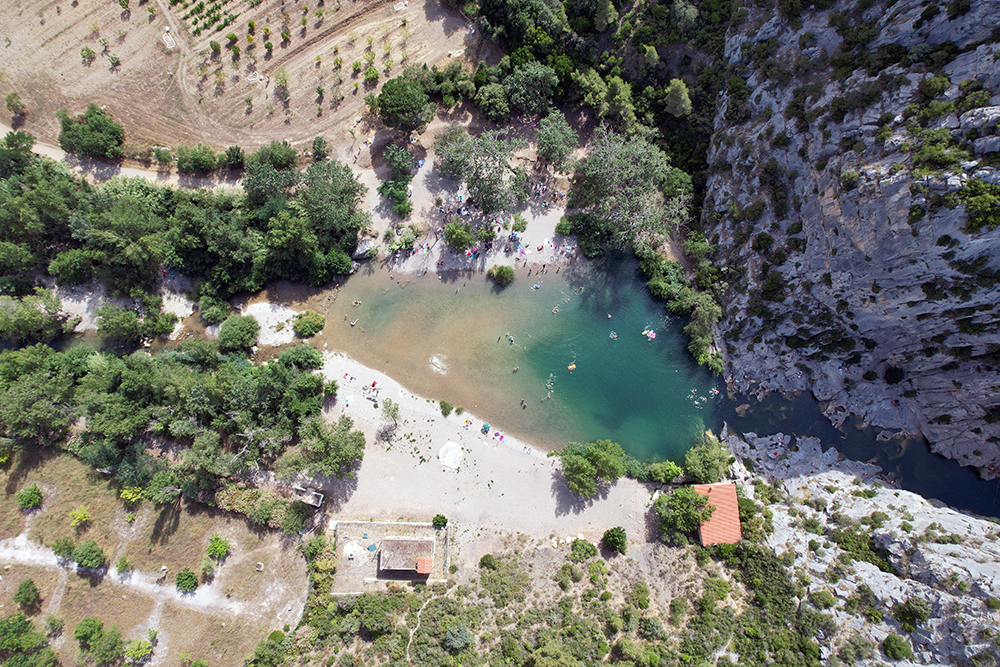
439 335
644 393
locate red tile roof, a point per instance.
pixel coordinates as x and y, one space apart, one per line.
724 526
425 565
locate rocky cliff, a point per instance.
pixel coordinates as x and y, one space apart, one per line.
853 203
879 560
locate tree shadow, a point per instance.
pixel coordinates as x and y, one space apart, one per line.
338 491
451 19
26 461
568 502
652 525
167 522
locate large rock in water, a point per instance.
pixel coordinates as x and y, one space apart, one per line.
872 292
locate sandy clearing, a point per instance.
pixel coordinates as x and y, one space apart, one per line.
508 486
275 322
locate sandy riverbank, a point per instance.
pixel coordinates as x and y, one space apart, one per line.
447 465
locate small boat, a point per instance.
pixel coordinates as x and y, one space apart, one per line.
571 367
555 311
353 322
614 335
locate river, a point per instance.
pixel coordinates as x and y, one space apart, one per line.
571 345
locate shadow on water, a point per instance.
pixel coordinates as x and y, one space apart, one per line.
908 462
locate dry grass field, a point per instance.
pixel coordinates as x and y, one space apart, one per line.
186 94
221 623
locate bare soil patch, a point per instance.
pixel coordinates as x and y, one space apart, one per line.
182 95
103 599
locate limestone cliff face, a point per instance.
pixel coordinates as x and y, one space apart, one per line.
948 560
836 208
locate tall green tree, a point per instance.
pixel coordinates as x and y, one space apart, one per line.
682 512
530 87
93 133
676 99
586 466
483 164
556 139
332 449
631 187
402 104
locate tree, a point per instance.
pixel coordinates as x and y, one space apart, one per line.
676 98
278 154
682 512
93 134
530 86
320 149
34 317
399 160
198 159
606 15
80 516
707 461
581 550
88 554
482 163
390 410
457 638
27 594
439 521
119 324
15 105
29 497
556 140
458 235
897 648
492 102
186 580
238 332
63 547
15 153
88 630
333 450
402 104
627 180
616 539
584 466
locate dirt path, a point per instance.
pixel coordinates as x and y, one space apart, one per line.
20 550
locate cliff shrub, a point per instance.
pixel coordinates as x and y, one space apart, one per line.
897 648
982 204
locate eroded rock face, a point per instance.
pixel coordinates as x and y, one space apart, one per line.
948 559
841 230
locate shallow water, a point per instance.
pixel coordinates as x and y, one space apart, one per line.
438 335
450 338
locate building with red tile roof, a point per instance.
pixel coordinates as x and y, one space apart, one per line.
724 526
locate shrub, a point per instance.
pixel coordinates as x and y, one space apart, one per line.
707 461
582 550
912 612
502 275
849 178
564 226
371 75
93 133
29 497
446 408
238 332
897 648
439 521
63 547
27 594
186 580
308 323
616 539
218 547
822 599
53 624
80 516
195 159
89 555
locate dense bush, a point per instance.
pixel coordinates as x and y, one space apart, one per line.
616 539
186 580
27 595
308 323
897 648
501 274
585 466
88 554
93 134
198 159
239 332
29 497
